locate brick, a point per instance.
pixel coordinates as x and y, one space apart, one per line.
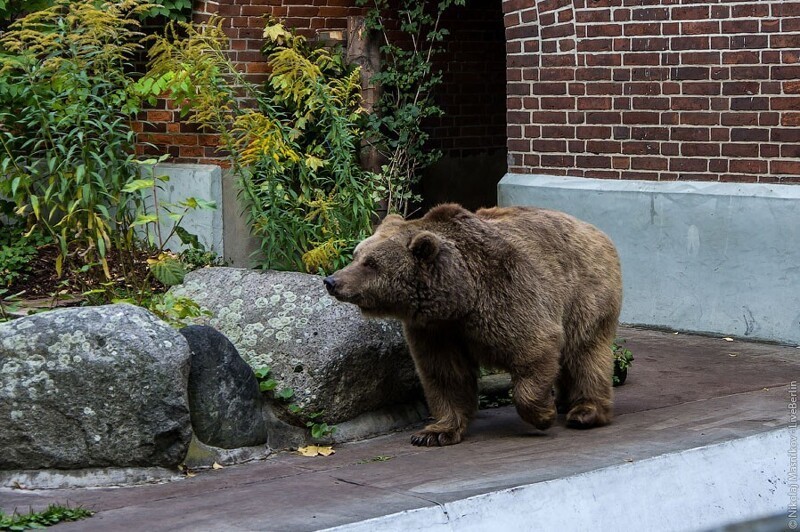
594 103
691 43
593 161
711 88
650 28
700 119
739 119
741 58
700 28
736 88
770 150
740 26
559 146
641 118
576 146
688 165
740 150
751 135
791 72
690 103
549 117
690 133
750 42
593 132
750 72
751 103
558 132
751 10
601 117
790 120
603 146
700 149
603 88
790 150
648 163
748 166
691 12
564 161
646 14
700 58
718 165
650 133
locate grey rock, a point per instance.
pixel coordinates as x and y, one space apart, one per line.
224 400
333 358
93 387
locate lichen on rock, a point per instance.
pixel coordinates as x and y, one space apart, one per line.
333 358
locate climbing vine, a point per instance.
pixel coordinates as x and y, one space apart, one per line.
411 36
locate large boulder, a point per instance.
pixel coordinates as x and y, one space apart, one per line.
335 360
92 387
225 402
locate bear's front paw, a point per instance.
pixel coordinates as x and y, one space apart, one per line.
434 438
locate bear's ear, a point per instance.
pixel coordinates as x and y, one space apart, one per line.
425 246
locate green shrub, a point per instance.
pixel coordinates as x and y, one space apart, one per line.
17 250
294 152
66 143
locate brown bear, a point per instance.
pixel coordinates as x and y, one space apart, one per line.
532 291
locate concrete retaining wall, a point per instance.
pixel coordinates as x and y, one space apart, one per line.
223 230
712 257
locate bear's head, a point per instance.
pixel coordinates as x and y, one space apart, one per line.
407 270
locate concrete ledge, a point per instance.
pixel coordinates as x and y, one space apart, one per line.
719 258
695 489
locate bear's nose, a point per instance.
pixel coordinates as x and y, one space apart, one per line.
330 284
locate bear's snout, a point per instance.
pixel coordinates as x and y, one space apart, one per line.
330 284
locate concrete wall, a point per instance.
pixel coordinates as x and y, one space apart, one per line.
224 229
721 258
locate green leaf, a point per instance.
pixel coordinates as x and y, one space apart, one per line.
188 238
285 394
143 219
138 184
168 271
267 385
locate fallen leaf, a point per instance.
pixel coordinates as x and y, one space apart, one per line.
216 466
189 474
316 450
727 339
733 354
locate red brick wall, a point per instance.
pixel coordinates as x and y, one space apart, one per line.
472 93
162 130
654 89
473 96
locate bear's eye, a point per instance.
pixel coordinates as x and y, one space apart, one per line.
370 263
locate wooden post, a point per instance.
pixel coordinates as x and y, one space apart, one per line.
363 51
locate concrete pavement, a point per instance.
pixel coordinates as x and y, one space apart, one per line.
721 402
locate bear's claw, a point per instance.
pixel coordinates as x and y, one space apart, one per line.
428 438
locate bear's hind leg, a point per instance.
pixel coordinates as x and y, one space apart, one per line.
533 388
588 372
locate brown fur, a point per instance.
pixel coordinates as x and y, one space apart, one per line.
531 291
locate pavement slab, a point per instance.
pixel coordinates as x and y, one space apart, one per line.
683 392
